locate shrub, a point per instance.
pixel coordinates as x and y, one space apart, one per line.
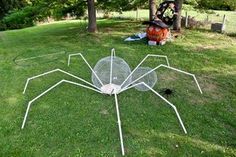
218 4
20 18
2 26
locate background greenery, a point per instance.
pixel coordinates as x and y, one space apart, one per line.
212 15
15 14
72 121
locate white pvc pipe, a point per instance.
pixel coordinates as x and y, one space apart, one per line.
173 106
161 56
81 85
113 52
111 65
187 73
149 55
79 54
55 70
124 88
169 67
49 89
119 125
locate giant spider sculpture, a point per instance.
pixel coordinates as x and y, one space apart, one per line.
112 76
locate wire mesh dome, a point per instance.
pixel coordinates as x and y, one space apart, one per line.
120 71
150 79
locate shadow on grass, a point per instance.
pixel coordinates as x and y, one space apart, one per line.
232 35
205 30
205 146
178 145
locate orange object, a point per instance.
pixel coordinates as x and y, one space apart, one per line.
156 33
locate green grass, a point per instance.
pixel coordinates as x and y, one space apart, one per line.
72 121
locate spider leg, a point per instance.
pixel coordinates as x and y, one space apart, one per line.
79 54
56 70
119 125
48 90
111 64
149 55
113 52
127 86
187 73
169 103
159 66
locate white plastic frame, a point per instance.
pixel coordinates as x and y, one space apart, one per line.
90 86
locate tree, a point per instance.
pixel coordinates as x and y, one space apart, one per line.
177 22
6 6
41 9
152 9
92 25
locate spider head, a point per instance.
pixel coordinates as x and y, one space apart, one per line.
110 89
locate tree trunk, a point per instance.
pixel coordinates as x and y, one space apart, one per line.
92 24
177 22
152 9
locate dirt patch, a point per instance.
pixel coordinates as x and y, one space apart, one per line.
206 47
166 76
104 112
107 30
211 92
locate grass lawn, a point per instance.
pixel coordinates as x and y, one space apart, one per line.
71 121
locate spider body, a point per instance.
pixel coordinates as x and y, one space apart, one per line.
167 92
110 89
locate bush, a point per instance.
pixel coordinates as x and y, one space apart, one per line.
20 18
191 2
218 4
187 7
77 9
3 26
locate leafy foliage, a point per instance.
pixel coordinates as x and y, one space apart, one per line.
22 13
37 10
121 5
213 4
7 5
74 7
20 18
